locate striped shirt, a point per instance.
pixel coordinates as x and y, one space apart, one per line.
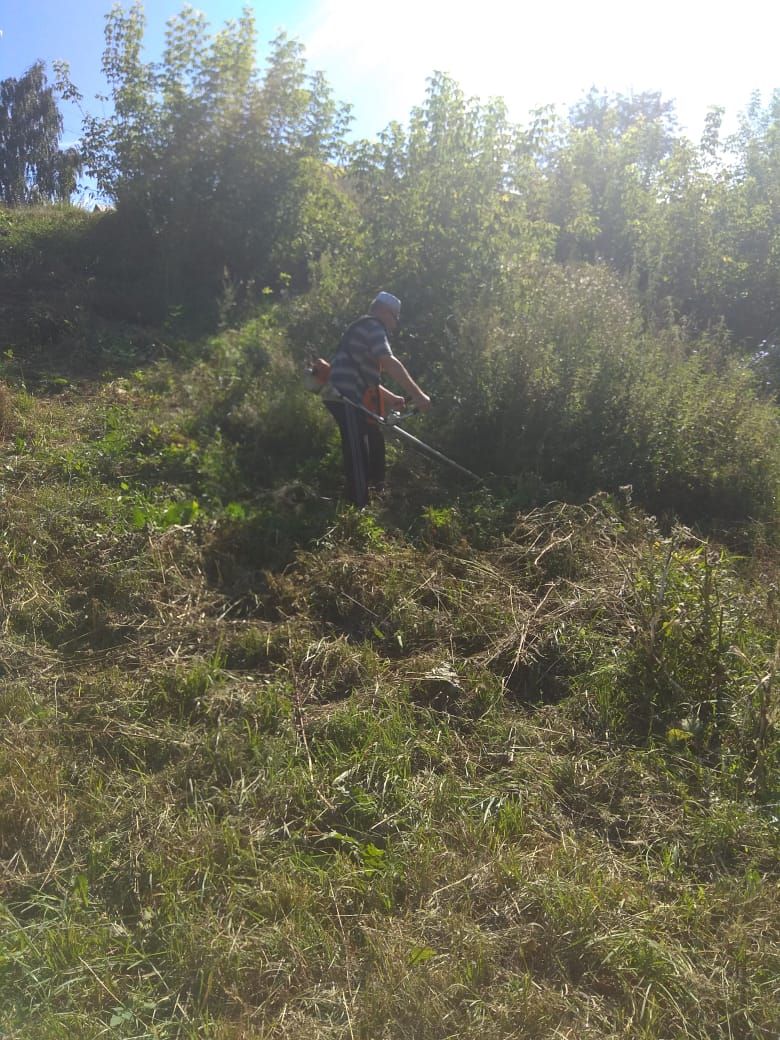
355 366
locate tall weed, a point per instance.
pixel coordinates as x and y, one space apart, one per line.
563 381
248 393
695 663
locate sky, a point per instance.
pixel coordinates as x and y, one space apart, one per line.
378 57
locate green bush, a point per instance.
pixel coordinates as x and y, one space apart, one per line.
562 380
705 444
248 395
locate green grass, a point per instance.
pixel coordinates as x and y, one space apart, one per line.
438 773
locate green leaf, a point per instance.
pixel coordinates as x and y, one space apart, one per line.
139 518
234 511
81 889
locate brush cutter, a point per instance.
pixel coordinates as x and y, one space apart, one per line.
390 423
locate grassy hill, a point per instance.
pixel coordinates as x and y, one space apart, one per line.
468 764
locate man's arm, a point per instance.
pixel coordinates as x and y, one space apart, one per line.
397 371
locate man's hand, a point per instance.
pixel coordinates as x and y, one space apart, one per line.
397 371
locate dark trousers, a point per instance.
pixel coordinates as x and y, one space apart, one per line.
363 451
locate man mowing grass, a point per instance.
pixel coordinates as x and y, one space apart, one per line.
363 355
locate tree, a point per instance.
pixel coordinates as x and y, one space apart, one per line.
212 158
448 207
749 224
33 168
603 168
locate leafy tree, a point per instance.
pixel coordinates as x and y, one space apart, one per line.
213 156
450 212
708 245
602 167
32 166
749 226
676 251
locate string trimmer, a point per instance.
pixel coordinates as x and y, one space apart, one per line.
391 421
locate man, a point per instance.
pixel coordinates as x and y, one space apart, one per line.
363 355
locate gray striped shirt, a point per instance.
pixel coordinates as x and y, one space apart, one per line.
355 366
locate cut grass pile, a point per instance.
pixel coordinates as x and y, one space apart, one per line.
432 779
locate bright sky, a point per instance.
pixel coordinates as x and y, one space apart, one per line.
377 56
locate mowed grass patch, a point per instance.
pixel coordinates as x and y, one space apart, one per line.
415 889
400 786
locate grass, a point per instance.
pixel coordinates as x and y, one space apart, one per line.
430 779
463 765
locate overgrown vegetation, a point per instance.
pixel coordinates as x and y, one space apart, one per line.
484 761
454 770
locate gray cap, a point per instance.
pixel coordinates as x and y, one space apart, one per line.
386 299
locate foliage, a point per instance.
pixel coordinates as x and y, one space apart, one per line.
703 441
559 378
692 226
247 395
77 292
239 180
685 667
208 155
449 207
748 225
603 170
33 168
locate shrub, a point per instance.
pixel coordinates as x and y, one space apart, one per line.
248 394
704 444
561 380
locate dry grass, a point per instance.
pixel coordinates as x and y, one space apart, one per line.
397 791
7 417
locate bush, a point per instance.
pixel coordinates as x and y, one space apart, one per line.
249 393
561 380
704 444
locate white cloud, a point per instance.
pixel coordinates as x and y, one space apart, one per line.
378 56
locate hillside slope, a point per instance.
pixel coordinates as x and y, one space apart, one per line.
441 769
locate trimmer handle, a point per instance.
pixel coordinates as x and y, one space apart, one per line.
395 417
